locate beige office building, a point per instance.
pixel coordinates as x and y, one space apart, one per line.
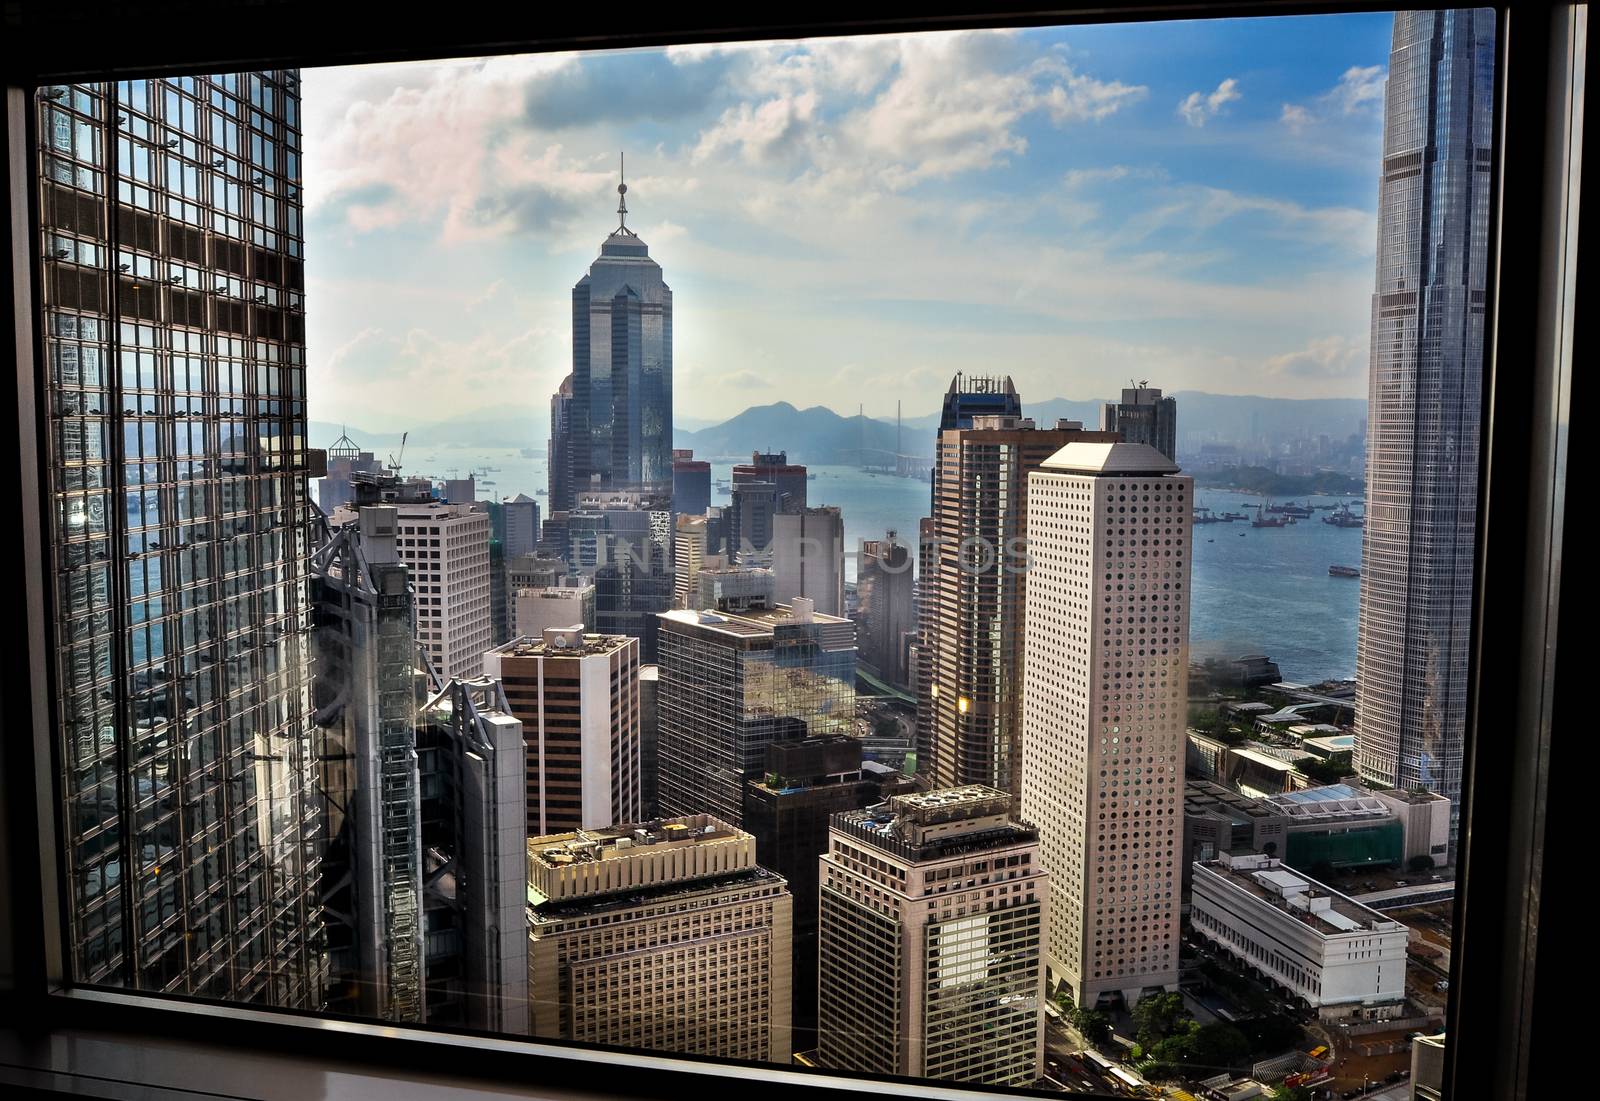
446 547
1104 702
663 935
577 696
932 915
533 610
969 709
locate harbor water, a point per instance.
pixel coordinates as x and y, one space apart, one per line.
1255 590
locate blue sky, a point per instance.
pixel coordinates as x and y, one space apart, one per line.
853 220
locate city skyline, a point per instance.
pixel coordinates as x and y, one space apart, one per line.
814 200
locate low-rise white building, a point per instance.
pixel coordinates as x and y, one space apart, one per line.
1331 952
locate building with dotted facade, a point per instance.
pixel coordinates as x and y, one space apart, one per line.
930 953
1105 698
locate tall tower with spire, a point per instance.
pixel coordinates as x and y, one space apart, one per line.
621 412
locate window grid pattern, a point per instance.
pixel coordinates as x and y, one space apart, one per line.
174 343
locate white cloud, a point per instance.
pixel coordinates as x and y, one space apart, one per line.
1358 92
935 106
1197 107
1295 117
1327 357
1358 87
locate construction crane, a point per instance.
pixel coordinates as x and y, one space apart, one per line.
394 461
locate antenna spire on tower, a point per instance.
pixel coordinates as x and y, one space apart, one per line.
622 191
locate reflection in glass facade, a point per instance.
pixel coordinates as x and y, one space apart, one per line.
621 413
171 275
1424 400
732 684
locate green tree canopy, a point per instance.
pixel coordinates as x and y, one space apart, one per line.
1095 1026
1158 1017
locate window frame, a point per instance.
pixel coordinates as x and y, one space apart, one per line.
1535 338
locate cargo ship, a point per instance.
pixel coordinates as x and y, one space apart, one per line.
1343 571
1262 520
1343 518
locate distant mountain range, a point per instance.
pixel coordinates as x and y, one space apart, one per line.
819 435
823 437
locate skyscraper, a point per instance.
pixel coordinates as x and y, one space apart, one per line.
474 859
788 809
788 479
556 606
808 557
1144 416
576 694
733 682
1424 401
691 483
932 918
659 935
520 521
749 522
344 460
1105 699
558 454
446 547
177 473
884 589
974 632
364 692
621 423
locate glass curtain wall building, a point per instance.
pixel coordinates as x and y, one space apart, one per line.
173 328
1424 402
621 412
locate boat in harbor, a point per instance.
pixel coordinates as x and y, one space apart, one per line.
1203 515
1299 512
1343 571
1262 520
1232 516
1344 518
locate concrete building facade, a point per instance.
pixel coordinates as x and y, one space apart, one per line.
975 596
1105 707
577 697
808 558
662 935
535 610
1143 416
1332 953
932 919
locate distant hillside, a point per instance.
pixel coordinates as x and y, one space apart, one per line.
1258 479
1232 418
821 436
816 435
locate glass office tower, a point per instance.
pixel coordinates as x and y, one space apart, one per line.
1424 401
621 412
170 240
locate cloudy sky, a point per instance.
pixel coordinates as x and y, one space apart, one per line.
855 220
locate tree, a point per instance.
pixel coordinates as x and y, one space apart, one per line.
1331 771
1422 862
1094 1025
1218 1045
1203 1049
1158 1017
